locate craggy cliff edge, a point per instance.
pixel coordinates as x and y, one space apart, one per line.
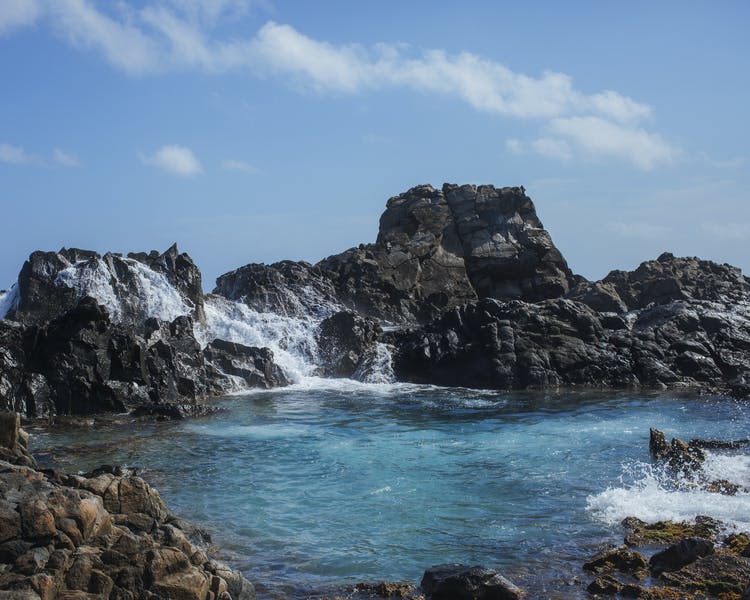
463 287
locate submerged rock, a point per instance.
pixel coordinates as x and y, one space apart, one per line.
462 582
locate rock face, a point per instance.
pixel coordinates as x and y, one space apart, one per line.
288 288
81 363
680 342
346 340
103 535
51 283
462 582
477 291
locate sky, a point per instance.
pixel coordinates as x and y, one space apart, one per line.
260 130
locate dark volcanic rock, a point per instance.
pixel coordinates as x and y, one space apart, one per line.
345 340
703 344
254 366
679 455
441 248
82 363
51 283
287 288
461 582
669 278
684 552
181 272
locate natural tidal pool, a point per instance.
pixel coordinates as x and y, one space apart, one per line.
333 482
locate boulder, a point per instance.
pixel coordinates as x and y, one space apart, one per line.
684 552
462 582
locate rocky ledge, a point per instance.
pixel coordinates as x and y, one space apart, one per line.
106 534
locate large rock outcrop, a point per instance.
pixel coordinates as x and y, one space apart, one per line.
436 249
132 288
677 339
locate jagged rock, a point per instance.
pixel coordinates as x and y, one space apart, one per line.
462 582
684 552
669 278
617 559
345 339
181 272
679 455
437 249
81 537
718 573
254 366
516 344
288 288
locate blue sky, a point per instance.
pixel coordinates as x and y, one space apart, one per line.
251 131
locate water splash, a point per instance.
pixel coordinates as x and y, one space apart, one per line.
292 339
653 493
8 301
153 296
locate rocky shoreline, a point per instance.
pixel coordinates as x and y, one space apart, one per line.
463 287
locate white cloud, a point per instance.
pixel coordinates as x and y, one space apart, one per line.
598 137
125 45
18 13
553 148
65 159
238 165
181 34
15 155
650 231
731 231
177 160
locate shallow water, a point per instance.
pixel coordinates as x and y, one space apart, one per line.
329 482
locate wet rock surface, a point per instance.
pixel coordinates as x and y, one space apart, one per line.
463 582
106 534
691 560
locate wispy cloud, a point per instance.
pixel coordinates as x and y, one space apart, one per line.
18 13
731 231
181 34
65 159
176 160
650 231
15 155
239 165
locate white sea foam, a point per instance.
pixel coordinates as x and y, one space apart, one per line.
8 301
652 494
292 339
154 296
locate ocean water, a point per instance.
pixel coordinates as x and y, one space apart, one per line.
332 482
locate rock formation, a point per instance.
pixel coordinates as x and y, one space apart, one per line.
106 534
478 293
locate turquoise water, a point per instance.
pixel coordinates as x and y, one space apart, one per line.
329 483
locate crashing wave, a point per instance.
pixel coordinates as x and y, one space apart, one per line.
652 493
